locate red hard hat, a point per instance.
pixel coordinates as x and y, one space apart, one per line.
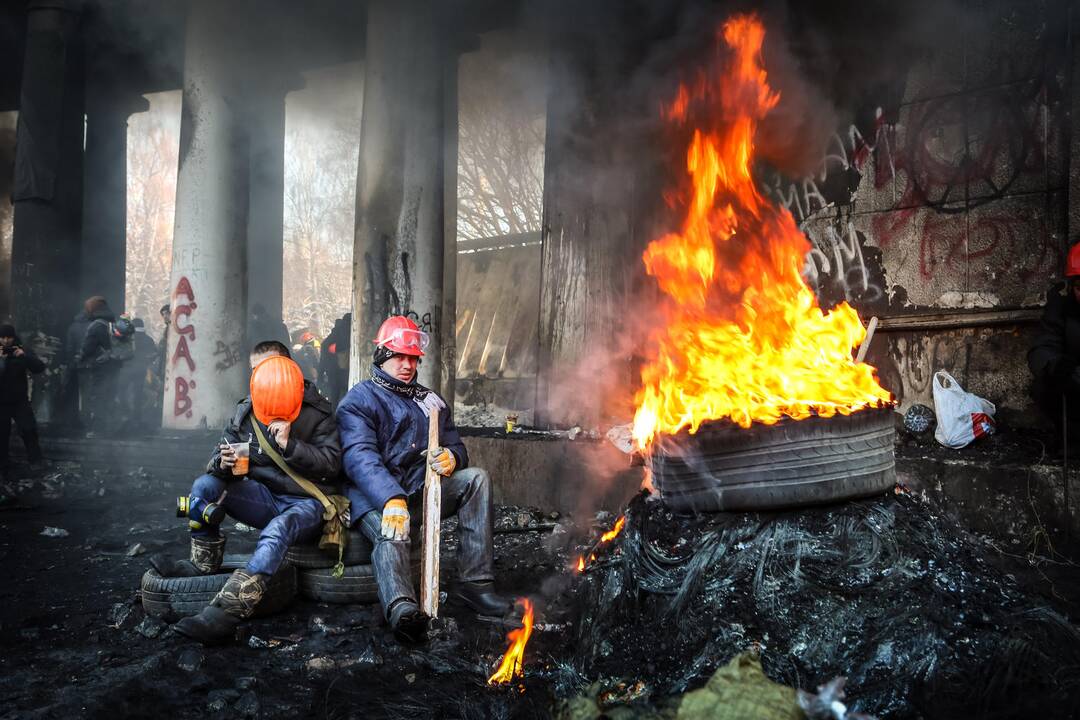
400 334
1072 265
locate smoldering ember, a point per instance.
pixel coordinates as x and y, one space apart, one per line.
540 359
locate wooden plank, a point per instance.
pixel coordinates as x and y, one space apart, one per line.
950 320
429 561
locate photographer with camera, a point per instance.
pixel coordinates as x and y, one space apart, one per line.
15 362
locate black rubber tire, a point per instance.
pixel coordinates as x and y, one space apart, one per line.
357 552
173 598
807 462
357 585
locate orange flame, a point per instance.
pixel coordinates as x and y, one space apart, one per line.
512 662
743 335
614 532
581 563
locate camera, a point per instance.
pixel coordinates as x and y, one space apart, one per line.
7 350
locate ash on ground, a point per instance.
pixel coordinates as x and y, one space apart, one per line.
919 616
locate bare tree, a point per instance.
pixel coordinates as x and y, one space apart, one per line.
500 146
153 158
320 187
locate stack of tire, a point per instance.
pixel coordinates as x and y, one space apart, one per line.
171 598
307 571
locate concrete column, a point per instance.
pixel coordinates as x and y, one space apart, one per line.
206 368
450 164
399 242
48 170
104 233
267 196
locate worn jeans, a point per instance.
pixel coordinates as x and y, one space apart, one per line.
466 493
284 519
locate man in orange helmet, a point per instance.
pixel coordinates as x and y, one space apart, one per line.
299 424
384 438
1054 357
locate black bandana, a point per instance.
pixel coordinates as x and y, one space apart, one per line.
416 392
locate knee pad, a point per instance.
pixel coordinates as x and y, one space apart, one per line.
203 516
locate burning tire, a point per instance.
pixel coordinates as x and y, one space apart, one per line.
794 462
174 598
357 552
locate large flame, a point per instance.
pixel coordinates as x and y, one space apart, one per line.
511 665
743 336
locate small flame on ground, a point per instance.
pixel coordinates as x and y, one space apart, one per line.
614 532
512 662
604 539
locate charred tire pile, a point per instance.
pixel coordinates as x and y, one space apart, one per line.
794 462
174 598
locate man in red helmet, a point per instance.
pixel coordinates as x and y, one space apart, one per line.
298 424
1054 357
384 436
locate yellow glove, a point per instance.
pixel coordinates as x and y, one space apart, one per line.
443 461
395 520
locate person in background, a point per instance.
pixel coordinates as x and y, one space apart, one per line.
334 360
306 354
261 325
136 378
16 362
1054 358
98 369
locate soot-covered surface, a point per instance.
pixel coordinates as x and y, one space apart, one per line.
76 643
924 619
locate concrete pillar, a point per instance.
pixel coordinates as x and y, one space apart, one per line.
399 243
48 170
450 164
206 368
104 232
267 196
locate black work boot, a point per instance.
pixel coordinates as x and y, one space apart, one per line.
481 598
236 602
408 622
207 554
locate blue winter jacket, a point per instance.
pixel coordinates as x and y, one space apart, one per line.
383 438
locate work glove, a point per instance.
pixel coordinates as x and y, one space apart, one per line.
442 461
395 520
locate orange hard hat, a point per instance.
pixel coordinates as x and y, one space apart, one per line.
1072 265
400 334
277 390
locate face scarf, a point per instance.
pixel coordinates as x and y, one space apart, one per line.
422 396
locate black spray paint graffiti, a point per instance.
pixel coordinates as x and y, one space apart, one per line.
228 354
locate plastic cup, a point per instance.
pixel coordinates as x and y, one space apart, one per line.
243 457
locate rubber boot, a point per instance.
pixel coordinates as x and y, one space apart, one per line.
207 554
235 603
481 598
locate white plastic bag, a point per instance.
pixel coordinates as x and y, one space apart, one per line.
961 416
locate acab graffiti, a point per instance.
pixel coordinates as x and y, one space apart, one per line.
184 327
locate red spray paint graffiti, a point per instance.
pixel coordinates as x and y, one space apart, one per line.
182 401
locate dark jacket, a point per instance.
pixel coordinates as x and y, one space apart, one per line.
76 333
1055 353
313 450
13 370
383 438
97 339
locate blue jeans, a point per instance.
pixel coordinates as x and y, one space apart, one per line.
285 519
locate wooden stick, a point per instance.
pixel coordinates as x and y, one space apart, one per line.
870 328
429 562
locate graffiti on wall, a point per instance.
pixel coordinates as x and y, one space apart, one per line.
937 178
183 365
